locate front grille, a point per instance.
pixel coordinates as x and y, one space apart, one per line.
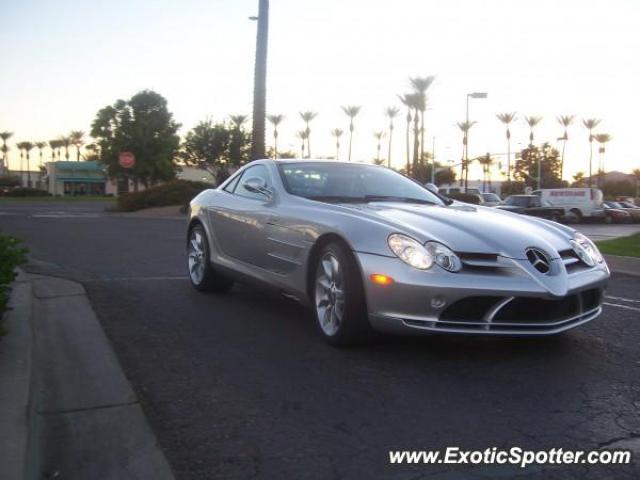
571 261
514 315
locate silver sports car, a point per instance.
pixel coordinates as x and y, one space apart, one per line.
372 250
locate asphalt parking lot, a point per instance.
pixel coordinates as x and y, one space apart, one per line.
241 386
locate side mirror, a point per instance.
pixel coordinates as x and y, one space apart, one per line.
257 185
431 187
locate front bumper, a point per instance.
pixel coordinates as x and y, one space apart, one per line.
501 297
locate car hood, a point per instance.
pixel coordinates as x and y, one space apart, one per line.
471 229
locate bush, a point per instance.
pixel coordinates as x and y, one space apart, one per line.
9 181
27 192
176 192
12 254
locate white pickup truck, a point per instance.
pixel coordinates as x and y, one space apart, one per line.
579 203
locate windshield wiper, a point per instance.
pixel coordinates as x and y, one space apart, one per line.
336 198
392 198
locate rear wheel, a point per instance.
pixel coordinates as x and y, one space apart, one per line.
577 215
340 306
201 273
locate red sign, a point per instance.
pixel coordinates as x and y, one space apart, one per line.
126 159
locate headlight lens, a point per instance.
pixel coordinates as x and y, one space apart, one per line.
444 257
410 251
423 257
586 250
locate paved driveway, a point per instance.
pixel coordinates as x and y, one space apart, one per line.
240 386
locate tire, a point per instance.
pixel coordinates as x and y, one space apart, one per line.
338 297
202 275
577 214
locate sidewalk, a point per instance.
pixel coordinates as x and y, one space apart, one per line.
66 409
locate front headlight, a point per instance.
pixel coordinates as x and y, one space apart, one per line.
586 250
423 257
410 252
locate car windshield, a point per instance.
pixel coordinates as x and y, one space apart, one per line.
490 197
613 205
341 182
518 201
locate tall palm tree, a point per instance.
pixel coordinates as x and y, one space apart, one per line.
421 85
55 145
565 121
77 141
578 179
337 133
464 128
379 135
487 162
532 121
260 82
66 143
302 135
238 120
391 113
26 147
590 124
351 111
21 148
408 100
275 120
307 117
602 139
40 146
507 118
5 136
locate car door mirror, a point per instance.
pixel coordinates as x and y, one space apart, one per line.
431 187
257 185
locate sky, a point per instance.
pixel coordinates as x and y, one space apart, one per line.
62 61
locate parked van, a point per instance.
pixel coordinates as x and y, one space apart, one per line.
447 190
578 202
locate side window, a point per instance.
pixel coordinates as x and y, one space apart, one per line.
535 202
231 186
257 171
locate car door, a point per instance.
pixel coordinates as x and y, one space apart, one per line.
240 219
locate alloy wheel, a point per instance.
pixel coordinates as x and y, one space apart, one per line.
330 294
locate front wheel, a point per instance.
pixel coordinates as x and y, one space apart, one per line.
201 273
340 306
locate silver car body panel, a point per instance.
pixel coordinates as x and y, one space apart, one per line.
271 240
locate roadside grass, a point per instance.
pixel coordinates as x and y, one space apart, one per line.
12 254
623 246
58 199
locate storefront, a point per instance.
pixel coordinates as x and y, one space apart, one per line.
75 178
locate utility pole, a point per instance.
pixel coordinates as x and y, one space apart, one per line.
260 82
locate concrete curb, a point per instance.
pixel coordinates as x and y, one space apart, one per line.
626 265
80 418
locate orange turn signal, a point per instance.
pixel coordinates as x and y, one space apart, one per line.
380 279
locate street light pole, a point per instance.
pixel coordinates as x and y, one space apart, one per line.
260 82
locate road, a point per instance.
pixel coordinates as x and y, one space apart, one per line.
241 386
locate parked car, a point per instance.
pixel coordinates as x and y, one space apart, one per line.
614 213
633 210
491 199
578 203
369 249
532 205
447 190
473 198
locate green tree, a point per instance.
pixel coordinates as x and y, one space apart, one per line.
144 126
487 162
578 179
210 146
379 135
565 121
590 124
4 136
602 139
66 143
539 160
77 140
409 100
464 169
55 146
420 86
351 111
391 113
507 118
26 147
337 133
302 135
307 117
636 176
40 146
275 120
240 141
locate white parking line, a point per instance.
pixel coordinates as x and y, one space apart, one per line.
622 299
626 307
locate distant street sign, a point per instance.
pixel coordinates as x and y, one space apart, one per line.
126 159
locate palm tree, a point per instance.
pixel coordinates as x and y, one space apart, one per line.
238 120
351 111
578 178
464 128
302 135
5 136
66 143
602 139
391 113
379 135
487 162
408 100
26 147
565 121
337 133
55 145
307 117
275 120
590 124
636 174
40 146
507 118
532 122
260 82
421 85
76 137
